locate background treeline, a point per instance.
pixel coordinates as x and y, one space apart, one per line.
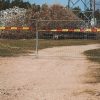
5 4
42 12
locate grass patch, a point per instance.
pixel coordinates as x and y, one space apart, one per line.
93 55
69 42
85 91
18 47
94 72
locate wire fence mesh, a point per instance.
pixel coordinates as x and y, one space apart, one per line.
65 33
61 34
16 41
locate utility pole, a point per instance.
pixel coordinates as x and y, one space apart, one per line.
69 3
85 2
91 5
94 8
93 19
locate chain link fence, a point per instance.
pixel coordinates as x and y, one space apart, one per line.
66 33
48 34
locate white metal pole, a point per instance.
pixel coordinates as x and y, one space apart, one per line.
94 12
37 38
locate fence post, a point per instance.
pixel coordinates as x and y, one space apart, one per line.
37 38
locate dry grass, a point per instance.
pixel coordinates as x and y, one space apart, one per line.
18 47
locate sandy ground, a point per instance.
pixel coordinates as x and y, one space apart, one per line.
60 77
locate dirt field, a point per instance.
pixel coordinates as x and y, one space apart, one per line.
49 78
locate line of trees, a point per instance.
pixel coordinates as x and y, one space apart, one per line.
5 4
